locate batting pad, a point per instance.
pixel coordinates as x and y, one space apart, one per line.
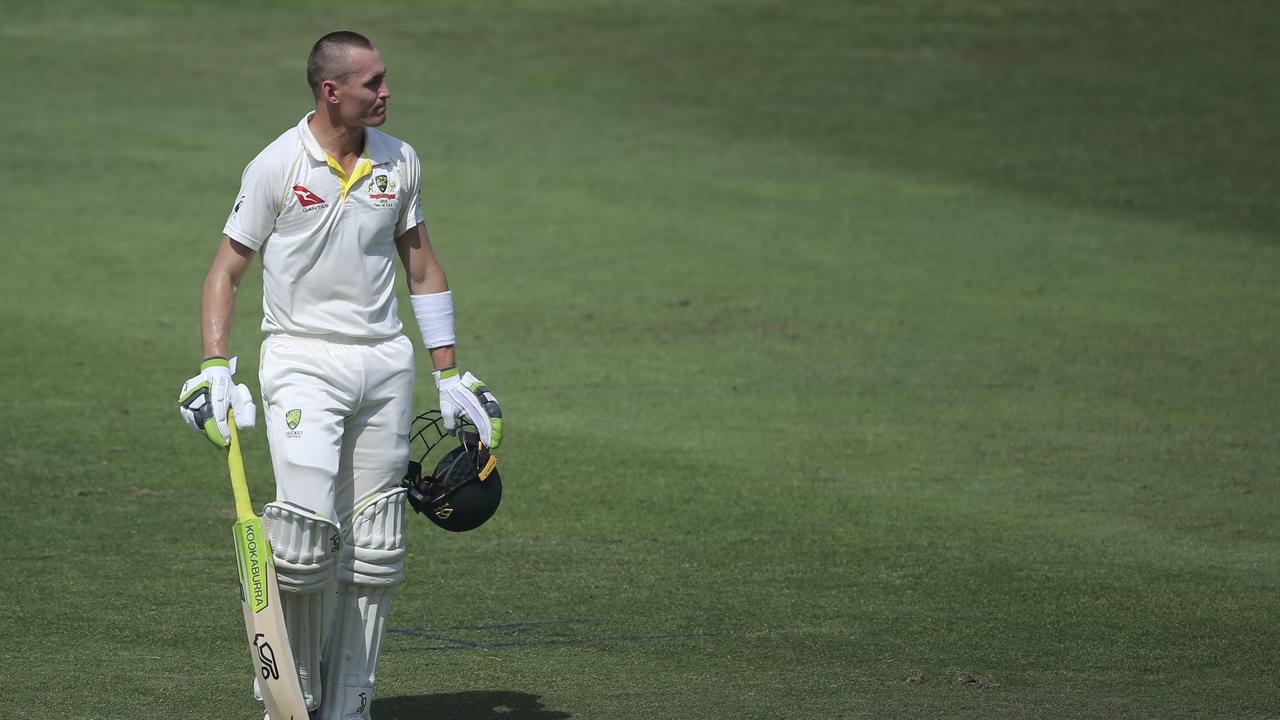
374 552
372 565
305 548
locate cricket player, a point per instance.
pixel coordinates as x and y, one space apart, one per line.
329 205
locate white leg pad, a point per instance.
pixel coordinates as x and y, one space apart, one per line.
372 564
305 547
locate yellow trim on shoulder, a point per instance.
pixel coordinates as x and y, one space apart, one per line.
363 168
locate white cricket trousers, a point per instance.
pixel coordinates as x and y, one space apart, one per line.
338 413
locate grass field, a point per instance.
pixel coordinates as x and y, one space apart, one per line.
902 359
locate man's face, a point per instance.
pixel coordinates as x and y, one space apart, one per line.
362 95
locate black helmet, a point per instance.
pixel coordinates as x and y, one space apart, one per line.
465 488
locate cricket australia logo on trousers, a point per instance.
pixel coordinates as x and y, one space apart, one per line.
293 418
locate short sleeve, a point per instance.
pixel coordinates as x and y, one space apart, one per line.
411 208
257 206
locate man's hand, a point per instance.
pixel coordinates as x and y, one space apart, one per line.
466 397
205 398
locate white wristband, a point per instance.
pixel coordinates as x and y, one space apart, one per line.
435 318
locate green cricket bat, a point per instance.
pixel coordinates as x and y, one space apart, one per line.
259 597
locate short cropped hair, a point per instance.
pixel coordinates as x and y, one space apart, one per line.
328 55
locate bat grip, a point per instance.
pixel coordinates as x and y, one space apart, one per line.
235 463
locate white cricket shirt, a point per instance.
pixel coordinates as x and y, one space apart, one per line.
327 240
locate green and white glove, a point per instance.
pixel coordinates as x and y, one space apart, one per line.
466 397
204 400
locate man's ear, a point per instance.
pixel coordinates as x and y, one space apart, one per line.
329 91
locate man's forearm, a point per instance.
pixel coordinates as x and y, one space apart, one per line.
219 298
442 357
431 280
427 283
215 311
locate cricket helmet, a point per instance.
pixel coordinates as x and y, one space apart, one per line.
464 489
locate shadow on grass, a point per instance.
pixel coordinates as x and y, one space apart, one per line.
471 705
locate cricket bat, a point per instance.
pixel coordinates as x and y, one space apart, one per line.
260 599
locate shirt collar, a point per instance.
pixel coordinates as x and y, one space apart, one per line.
375 148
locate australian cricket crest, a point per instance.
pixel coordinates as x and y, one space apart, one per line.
382 191
293 418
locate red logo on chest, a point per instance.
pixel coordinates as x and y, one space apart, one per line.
306 197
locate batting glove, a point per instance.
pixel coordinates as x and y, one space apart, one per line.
205 398
467 398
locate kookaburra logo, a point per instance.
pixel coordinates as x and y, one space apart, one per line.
364 700
266 657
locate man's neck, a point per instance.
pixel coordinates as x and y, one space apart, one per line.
339 140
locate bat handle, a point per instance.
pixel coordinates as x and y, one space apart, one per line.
235 463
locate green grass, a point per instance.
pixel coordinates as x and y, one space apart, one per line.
895 360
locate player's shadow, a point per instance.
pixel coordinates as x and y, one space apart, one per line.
470 705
